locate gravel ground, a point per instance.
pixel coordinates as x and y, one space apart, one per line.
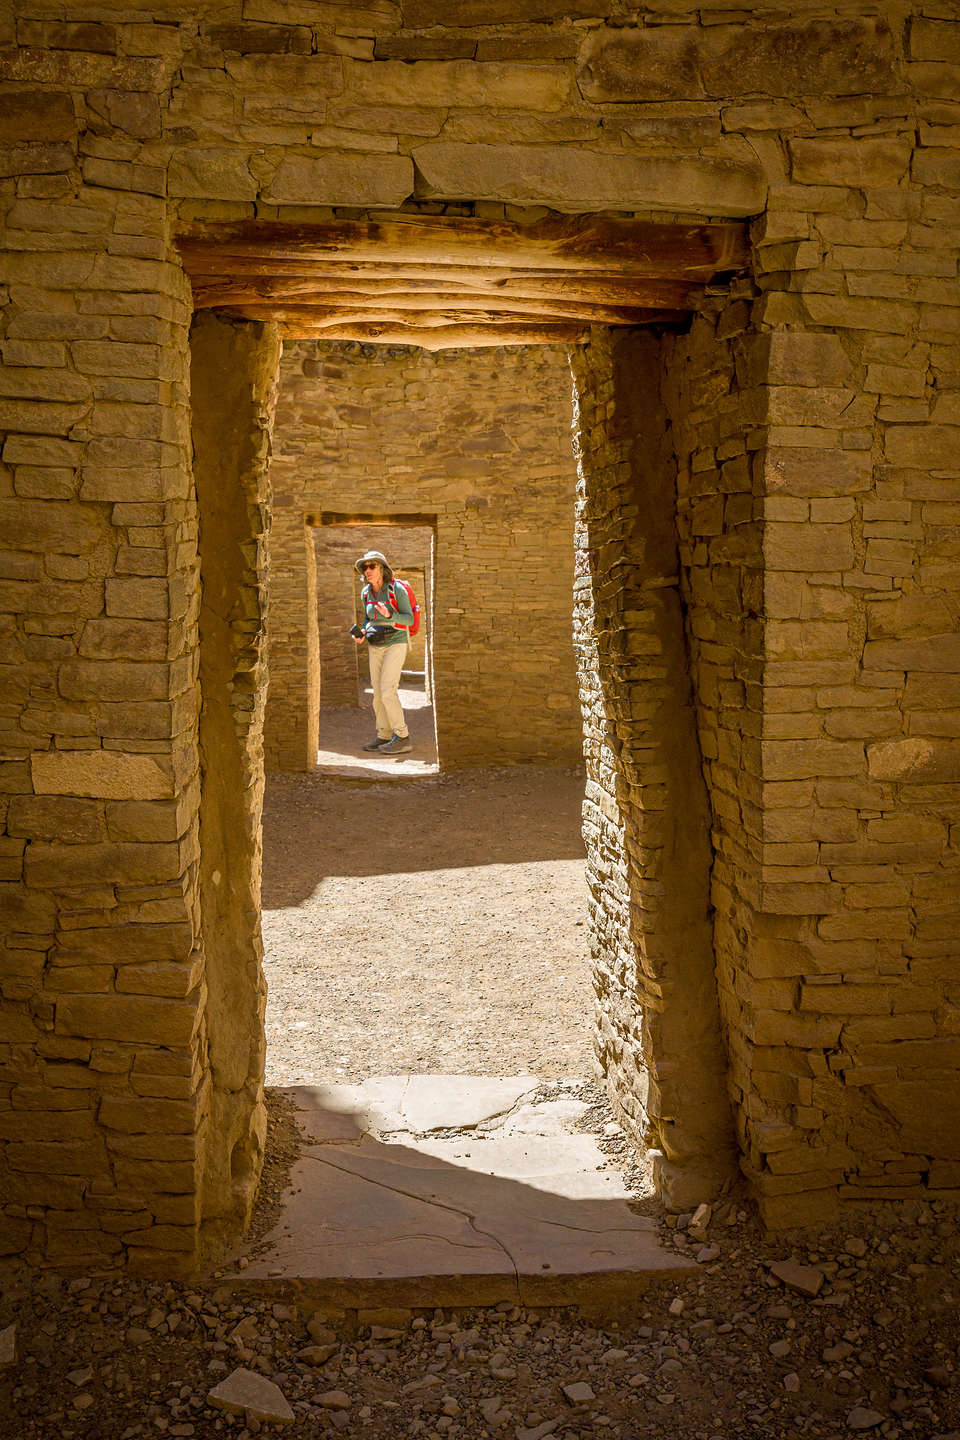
443 935
732 1352
435 926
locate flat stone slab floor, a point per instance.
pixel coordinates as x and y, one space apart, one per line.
454 1190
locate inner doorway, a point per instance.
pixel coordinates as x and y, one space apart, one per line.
345 687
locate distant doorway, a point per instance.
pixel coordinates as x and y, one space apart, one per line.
345 689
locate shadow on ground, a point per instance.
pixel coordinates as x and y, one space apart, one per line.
315 826
454 1190
344 730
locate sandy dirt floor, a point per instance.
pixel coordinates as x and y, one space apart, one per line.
424 923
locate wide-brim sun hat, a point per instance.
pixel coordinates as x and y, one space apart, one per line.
370 556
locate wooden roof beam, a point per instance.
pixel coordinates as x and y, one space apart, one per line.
580 243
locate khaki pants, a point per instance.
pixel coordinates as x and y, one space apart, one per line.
386 663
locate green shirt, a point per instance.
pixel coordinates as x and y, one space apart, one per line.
401 612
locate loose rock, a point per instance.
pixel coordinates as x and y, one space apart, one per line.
246 1393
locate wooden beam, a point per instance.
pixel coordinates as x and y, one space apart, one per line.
445 288
457 336
451 309
579 243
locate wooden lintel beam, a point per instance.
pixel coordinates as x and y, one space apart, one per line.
412 520
443 289
464 336
453 309
565 242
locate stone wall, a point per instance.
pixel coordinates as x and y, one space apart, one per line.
334 552
646 810
479 442
815 446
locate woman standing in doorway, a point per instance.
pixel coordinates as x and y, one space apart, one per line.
388 620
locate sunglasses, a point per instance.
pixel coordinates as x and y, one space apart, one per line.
374 564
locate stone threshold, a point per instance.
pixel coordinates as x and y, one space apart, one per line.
453 1191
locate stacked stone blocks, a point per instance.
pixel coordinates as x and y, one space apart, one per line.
814 422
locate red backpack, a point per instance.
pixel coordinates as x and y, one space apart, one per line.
392 593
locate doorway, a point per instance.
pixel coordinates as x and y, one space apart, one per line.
344 672
611 753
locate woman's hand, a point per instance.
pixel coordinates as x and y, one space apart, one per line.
382 610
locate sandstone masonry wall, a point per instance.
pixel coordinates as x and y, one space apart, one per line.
335 551
833 773
646 810
480 440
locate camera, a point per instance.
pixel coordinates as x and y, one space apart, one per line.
357 632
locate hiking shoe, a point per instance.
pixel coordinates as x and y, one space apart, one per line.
397 745
376 743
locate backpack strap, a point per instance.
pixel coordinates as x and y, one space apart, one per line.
392 594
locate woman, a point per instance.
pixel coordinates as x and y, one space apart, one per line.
388 619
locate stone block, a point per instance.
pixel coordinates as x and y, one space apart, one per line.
25 912
826 406
36 115
816 472
41 450
100 774
640 65
915 759
424 14
802 759
49 865
459 84
35 1124
128 944
159 978
57 1157
819 57
866 162
260 39
142 599
146 1177
807 547
929 446
36 159
855 998
938 653
924 1114
115 680
212 174
380 181
934 40
88 36
131 1018
130 112
937 167
791 357
42 817
859 313
576 180
147 820
124 640
136 1115
51 526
